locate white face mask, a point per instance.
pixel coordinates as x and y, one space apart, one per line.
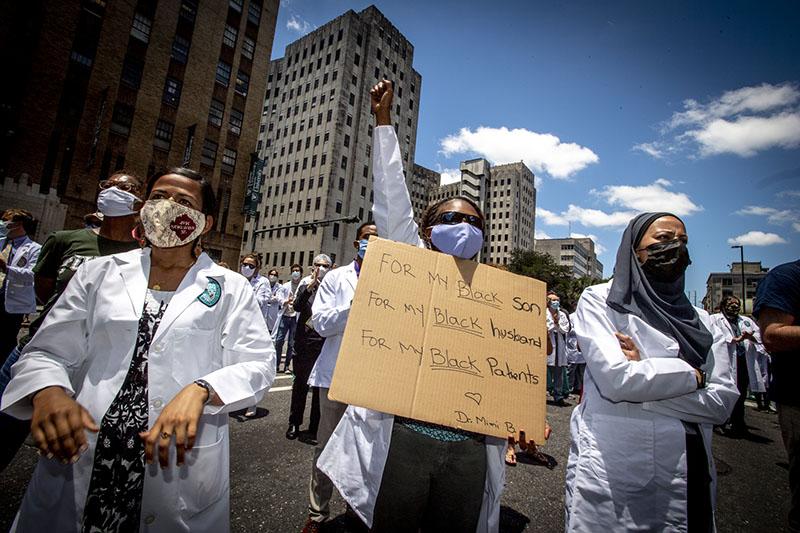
295 275
114 202
321 271
247 271
168 224
272 278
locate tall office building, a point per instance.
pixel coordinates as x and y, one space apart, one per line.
577 254
101 85
316 137
722 284
422 180
507 196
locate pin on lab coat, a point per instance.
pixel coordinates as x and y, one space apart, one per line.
20 296
756 356
627 461
85 346
356 453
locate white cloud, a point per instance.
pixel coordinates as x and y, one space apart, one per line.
550 218
450 175
598 248
542 152
775 216
744 122
789 194
756 238
796 226
595 218
298 25
653 197
539 234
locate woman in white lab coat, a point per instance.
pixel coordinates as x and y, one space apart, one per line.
657 380
382 465
147 350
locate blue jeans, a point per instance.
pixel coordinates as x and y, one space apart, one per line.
285 333
5 371
556 376
14 431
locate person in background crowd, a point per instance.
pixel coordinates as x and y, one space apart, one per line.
249 267
777 310
288 321
577 364
307 345
748 360
18 256
93 220
657 378
557 328
223 264
329 314
400 474
147 350
274 302
118 200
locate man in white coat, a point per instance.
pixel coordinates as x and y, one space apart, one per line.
749 360
329 318
18 256
557 328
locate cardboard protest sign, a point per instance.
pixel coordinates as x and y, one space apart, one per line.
447 341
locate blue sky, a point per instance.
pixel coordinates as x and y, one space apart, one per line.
691 107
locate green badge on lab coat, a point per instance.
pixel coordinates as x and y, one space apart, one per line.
211 295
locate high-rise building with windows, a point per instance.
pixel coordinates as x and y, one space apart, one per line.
507 196
101 85
576 253
315 139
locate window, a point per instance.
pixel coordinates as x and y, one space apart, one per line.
223 73
357 61
254 12
341 184
141 27
344 162
215 112
242 83
229 36
346 141
188 10
172 92
208 156
228 161
235 120
180 50
248 48
132 72
338 207
358 39
164 131
317 203
122 118
352 99
236 5
335 230
349 121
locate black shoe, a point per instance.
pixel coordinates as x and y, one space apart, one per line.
292 432
306 437
562 403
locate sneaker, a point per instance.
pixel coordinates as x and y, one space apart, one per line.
287 371
251 412
292 432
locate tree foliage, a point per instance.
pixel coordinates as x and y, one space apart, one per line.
557 277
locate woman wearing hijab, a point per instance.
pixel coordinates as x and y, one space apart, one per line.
657 379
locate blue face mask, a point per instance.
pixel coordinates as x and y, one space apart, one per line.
461 240
362 248
555 306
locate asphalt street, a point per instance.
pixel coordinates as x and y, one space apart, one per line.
269 476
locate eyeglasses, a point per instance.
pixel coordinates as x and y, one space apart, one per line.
456 217
323 265
121 185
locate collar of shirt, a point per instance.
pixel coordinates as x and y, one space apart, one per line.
357 267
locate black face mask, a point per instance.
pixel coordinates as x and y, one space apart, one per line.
666 261
731 311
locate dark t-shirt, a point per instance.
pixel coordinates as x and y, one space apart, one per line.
780 290
62 253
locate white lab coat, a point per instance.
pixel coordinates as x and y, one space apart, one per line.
85 346
356 453
20 296
275 299
329 314
755 354
558 338
627 461
573 351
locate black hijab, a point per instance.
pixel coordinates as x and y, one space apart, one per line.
662 305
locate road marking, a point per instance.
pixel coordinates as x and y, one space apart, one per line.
279 389
284 376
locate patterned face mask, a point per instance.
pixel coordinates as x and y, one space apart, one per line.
168 224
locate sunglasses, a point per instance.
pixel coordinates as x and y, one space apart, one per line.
121 185
455 217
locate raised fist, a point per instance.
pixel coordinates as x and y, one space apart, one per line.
381 96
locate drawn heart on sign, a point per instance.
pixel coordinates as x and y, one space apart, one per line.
474 396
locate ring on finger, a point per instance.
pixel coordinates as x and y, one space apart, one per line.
166 435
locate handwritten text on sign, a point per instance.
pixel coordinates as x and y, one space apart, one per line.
447 341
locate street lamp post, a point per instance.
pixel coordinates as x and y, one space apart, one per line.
305 225
741 264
